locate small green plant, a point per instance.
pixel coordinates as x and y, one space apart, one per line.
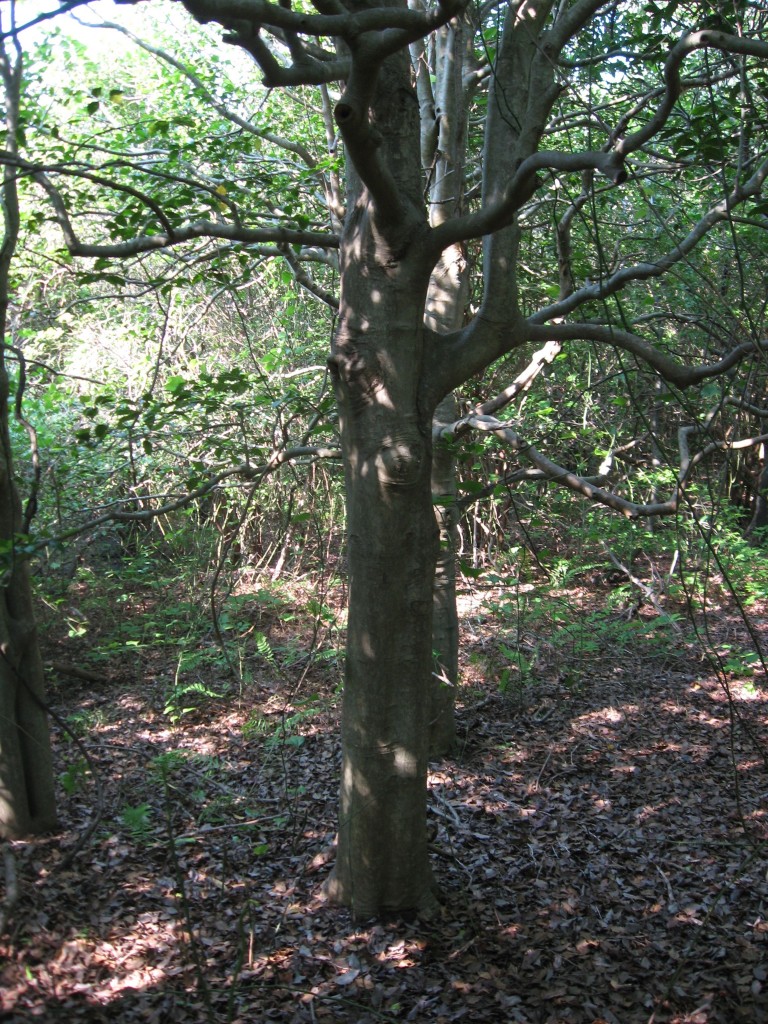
187 697
255 725
167 763
284 732
77 623
739 662
264 650
137 821
514 678
82 722
73 778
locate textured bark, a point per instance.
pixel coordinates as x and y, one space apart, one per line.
443 153
382 861
391 369
27 801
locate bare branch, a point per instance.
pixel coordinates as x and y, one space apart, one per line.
563 477
380 31
571 18
524 184
64 7
719 212
523 381
306 280
671 370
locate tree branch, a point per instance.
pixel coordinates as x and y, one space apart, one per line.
688 44
597 290
64 7
570 19
523 381
384 31
306 280
221 108
524 184
177 235
563 477
610 162
671 370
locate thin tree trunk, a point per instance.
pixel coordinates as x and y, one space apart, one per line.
444 102
759 521
446 300
445 624
27 800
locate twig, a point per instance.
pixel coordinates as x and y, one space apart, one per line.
537 783
667 883
643 587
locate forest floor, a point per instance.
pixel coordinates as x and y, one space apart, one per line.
599 843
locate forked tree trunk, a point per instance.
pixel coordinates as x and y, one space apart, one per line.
385 423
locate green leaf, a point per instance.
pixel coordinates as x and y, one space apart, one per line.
174 384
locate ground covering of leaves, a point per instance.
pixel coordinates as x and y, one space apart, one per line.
599 844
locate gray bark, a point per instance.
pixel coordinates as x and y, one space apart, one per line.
445 106
385 424
392 369
445 623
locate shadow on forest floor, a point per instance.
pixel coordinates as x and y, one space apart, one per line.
599 845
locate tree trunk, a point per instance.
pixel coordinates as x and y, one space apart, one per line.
445 96
382 862
755 531
27 800
446 301
445 624
385 423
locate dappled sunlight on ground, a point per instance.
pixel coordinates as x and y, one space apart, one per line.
598 843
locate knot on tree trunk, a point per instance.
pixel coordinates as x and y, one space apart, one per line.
399 461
